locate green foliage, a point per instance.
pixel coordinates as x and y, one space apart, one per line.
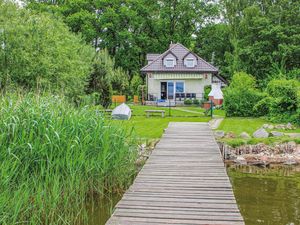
283 100
241 96
263 37
207 89
285 91
196 101
131 29
38 52
106 80
212 44
135 84
55 156
262 108
253 36
99 82
188 102
120 81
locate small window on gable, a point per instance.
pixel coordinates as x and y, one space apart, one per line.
169 62
189 62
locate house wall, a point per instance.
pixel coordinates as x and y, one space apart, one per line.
191 85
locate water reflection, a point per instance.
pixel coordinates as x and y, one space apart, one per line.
99 212
268 196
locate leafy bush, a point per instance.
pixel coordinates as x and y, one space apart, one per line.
207 89
188 102
40 53
286 94
241 96
196 101
262 108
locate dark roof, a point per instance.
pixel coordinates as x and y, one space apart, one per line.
170 53
180 52
221 78
152 56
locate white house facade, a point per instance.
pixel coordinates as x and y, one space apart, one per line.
178 74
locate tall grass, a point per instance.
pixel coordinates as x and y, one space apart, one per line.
54 156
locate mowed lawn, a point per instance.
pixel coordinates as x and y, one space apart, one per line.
237 125
153 127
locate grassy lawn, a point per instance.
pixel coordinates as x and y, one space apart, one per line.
153 127
238 125
250 125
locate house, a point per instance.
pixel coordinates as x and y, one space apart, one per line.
178 74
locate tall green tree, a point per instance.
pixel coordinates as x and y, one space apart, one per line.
131 29
266 36
213 44
38 52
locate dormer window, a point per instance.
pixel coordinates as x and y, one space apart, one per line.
169 62
189 62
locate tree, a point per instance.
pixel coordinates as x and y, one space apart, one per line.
99 81
38 52
131 29
212 44
266 36
135 84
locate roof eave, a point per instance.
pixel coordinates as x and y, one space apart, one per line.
200 71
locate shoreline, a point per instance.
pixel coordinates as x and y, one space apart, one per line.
261 154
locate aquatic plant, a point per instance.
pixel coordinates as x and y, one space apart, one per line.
54 156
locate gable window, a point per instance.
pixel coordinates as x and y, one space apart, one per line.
190 63
169 62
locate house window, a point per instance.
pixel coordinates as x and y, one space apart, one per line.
179 87
190 63
169 62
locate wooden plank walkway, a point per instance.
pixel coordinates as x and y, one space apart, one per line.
184 181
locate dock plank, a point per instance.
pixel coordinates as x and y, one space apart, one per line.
184 181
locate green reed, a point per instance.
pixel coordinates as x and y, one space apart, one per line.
54 156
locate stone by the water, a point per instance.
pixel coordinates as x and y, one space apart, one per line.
289 126
219 134
261 133
276 133
280 126
240 160
245 135
265 126
230 135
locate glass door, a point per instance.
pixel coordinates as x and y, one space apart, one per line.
163 90
170 90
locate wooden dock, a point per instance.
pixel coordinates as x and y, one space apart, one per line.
184 181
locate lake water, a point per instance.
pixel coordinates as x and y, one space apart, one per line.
100 211
266 196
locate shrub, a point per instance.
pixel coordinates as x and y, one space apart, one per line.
262 108
241 96
286 94
196 102
188 102
207 89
